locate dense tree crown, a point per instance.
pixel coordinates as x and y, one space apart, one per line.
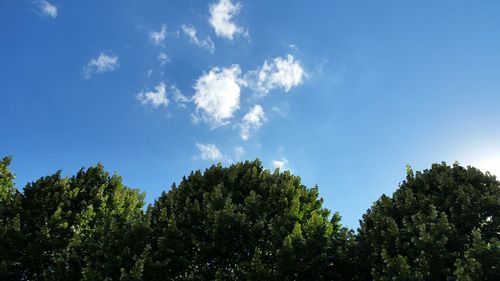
244 222
10 247
441 224
240 223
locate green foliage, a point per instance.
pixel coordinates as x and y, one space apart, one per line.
441 224
342 253
244 222
239 223
88 227
9 224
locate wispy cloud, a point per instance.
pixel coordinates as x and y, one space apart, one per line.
218 94
281 164
179 98
282 72
103 63
158 37
221 19
253 120
163 58
206 43
47 9
209 152
239 152
155 98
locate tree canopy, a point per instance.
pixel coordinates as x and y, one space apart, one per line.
441 224
87 227
240 223
244 222
9 224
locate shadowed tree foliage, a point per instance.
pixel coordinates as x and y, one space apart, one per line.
441 224
87 227
10 205
342 254
244 222
240 223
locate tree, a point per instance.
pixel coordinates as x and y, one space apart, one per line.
87 227
239 223
342 253
9 224
244 222
441 224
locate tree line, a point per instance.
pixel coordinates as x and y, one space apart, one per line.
244 222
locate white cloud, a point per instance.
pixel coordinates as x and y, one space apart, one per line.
239 152
278 111
157 37
281 164
282 72
47 9
221 16
179 98
206 43
163 58
155 98
210 152
103 63
218 94
253 120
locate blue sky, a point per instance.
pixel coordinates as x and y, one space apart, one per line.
342 93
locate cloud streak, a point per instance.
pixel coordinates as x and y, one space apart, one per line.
191 33
158 37
155 98
163 58
47 9
179 98
103 63
252 121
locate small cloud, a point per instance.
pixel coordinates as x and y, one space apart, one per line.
179 98
221 19
206 43
103 63
155 98
278 111
195 118
47 9
281 164
282 72
218 94
163 58
209 152
239 152
253 120
158 37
